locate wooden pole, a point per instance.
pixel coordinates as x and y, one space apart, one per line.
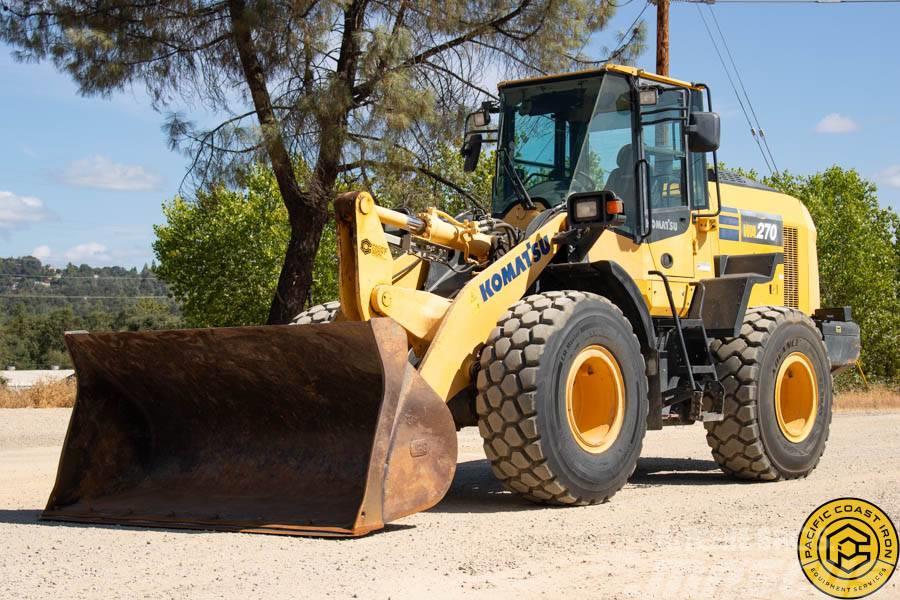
662 37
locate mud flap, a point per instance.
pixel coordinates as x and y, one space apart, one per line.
304 430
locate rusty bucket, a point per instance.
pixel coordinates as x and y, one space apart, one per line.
304 430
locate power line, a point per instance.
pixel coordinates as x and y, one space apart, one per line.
740 79
733 87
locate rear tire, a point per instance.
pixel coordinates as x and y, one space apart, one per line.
767 435
320 313
545 366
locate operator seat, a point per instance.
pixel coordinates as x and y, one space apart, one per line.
621 181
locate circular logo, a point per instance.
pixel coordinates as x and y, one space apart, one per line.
848 548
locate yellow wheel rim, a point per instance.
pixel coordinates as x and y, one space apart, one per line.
796 397
595 399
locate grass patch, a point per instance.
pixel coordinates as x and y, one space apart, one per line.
61 394
875 398
50 394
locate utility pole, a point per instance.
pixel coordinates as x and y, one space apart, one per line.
662 37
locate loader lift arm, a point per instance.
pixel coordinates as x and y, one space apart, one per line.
440 331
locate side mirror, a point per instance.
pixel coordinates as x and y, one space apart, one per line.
703 132
471 151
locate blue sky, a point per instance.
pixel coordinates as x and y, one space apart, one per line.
83 179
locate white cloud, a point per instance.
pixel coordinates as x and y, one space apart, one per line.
42 252
890 176
836 123
99 172
18 212
90 252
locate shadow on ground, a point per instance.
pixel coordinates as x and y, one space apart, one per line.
31 516
28 516
24 516
475 489
677 471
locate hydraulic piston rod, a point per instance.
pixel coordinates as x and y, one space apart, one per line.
441 229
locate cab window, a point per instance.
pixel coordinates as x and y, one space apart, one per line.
663 142
542 131
699 191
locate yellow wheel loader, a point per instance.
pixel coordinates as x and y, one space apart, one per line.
621 282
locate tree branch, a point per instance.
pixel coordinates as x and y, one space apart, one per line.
409 168
271 129
362 91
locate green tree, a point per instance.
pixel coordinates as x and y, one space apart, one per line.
42 302
145 314
443 183
32 341
16 347
220 254
347 84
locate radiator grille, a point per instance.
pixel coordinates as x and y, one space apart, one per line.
791 296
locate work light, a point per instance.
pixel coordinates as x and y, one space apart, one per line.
600 207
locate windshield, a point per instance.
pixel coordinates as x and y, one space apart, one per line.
542 130
568 136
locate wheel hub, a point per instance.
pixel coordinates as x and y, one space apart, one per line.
595 399
796 397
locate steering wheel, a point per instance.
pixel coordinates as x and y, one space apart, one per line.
591 185
530 176
548 187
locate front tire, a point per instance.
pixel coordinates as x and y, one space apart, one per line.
778 397
562 398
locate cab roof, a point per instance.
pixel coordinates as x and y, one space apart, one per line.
625 70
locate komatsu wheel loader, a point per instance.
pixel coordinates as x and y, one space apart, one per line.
621 282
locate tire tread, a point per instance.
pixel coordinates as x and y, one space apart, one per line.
320 313
506 403
736 441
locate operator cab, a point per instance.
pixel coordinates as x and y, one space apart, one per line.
617 129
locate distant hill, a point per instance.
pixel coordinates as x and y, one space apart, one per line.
41 288
38 303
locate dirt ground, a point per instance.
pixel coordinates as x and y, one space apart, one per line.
679 529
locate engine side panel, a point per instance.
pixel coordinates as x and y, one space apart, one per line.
757 221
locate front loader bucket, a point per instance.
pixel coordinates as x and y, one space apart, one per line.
305 430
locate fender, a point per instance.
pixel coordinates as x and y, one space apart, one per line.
609 279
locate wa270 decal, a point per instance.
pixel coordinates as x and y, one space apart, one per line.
755 228
761 228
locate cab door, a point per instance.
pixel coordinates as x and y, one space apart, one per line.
671 238
672 241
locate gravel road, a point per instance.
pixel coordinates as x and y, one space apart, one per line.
679 529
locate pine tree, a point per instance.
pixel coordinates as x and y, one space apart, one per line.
345 85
